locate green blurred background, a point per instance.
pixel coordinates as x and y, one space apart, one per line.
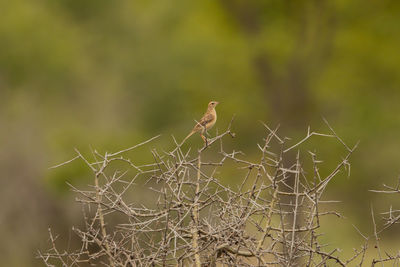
110 74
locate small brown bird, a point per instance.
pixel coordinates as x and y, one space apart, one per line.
206 122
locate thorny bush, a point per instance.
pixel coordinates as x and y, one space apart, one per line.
272 217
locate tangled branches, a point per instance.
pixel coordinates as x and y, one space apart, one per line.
272 217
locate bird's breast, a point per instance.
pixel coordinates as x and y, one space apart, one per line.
212 122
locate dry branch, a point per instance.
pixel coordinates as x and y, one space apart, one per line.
194 219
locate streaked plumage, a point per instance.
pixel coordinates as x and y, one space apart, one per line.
206 122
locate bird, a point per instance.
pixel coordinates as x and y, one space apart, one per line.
206 122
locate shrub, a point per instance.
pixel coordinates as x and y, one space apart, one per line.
272 217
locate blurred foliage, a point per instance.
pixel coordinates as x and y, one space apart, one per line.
110 74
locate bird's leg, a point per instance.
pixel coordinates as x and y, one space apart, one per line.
205 131
204 139
203 136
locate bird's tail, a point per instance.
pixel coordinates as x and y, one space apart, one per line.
189 135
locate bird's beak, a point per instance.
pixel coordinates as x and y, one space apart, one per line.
216 102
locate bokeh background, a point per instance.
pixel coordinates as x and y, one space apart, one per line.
110 74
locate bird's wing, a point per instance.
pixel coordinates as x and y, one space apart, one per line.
207 118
